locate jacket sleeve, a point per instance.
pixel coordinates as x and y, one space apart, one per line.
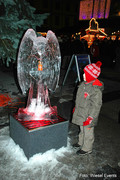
95 105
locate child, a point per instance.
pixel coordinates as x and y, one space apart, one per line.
87 107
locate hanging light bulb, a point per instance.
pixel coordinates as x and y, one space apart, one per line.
40 68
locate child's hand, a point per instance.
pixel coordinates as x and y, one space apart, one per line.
88 121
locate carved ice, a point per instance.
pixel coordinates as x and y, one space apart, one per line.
38 69
34 50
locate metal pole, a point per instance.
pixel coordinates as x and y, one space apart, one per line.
78 72
68 69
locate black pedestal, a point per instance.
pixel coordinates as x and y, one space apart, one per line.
38 140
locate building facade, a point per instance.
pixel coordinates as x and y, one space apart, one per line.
98 9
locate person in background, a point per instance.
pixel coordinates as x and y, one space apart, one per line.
87 107
94 51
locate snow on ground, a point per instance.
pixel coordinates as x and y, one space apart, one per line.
50 165
61 164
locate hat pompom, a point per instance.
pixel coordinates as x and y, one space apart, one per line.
98 63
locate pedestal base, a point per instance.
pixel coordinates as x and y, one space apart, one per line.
38 140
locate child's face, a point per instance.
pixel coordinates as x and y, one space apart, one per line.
84 77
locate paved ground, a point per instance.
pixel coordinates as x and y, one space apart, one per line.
107 133
106 152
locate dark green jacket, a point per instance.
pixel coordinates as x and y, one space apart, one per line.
88 102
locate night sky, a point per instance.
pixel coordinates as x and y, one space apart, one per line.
115 5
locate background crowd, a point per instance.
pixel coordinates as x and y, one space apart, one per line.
107 51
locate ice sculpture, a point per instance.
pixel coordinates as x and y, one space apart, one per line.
38 69
35 51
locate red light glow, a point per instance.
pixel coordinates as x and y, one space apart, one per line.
33 124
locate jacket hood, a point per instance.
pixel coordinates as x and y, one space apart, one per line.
99 84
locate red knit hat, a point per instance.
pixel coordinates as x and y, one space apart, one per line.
92 71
